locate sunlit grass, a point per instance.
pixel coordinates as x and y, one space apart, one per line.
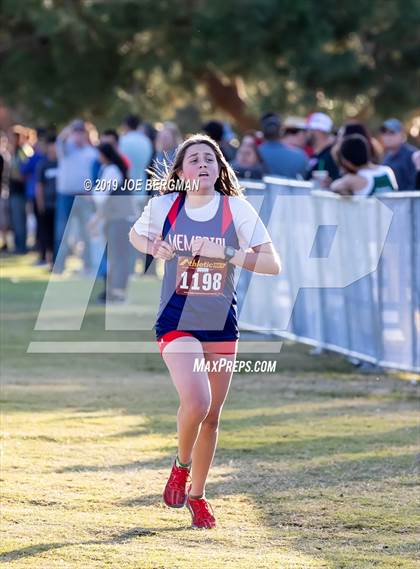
315 466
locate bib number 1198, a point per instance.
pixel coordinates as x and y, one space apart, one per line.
200 277
201 281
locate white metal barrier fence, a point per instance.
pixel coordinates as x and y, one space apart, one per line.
351 272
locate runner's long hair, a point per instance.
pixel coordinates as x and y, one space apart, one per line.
227 182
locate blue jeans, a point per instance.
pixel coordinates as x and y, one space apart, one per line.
81 212
17 205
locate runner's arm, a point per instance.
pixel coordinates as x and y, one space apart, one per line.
140 242
261 259
157 248
256 251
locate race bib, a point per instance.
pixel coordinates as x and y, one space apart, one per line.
200 276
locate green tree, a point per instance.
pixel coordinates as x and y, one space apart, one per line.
61 58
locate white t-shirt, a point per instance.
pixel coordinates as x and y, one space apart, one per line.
109 205
138 149
112 177
249 228
111 172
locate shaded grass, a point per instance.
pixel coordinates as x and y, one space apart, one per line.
315 467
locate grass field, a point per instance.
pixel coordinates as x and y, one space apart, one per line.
315 466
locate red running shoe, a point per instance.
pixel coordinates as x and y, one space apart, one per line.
174 494
201 513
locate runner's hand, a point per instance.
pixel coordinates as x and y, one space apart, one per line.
206 248
161 249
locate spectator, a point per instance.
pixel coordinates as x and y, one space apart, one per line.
167 140
416 162
75 160
4 201
250 137
137 147
363 177
45 194
216 131
17 191
136 144
230 142
117 215
248 163
359 128
110 136
295 134
97 242
278 158
321 139
149 130
398 154
28 171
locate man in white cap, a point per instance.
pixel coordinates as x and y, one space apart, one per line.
398 154
322 140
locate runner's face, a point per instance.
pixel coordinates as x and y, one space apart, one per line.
200 163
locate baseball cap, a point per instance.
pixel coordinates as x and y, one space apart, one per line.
394 125
319 121
269 119
295 122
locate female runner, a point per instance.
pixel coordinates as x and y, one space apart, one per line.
201 234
